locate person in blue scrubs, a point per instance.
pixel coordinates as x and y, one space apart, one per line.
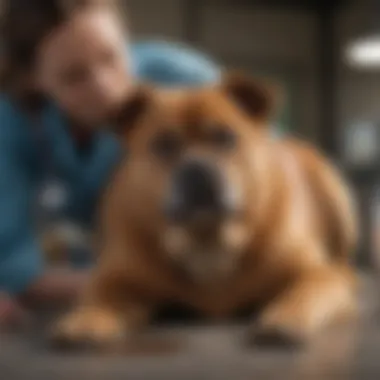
67 65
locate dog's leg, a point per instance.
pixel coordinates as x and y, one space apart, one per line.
313 300
107 314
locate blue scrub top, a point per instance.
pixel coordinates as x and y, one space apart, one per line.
84 174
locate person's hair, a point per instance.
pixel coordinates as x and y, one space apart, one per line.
25 23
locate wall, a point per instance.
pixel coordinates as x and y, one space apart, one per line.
358 99
156 18
282 43
358 91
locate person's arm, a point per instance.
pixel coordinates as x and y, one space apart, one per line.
170 64
20 256
22 271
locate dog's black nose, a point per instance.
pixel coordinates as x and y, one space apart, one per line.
196 187
198 184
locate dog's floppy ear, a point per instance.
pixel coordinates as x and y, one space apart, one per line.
130 111
253 97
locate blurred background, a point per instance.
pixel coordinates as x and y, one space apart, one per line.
325 55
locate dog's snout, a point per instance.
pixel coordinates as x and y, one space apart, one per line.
196 187
198 184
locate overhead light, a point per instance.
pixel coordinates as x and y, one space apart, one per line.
364 52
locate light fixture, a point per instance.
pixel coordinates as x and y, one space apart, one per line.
364 51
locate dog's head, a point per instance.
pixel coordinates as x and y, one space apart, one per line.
195 166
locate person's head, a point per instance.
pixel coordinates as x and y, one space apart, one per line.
72 51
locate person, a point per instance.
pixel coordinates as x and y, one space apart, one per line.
66 65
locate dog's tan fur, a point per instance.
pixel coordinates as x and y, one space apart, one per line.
290 251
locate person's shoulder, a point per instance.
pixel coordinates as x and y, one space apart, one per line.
9 118
14 124
6 106
173 64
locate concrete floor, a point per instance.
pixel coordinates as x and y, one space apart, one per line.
201 352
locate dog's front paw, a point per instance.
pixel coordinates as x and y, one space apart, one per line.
92 327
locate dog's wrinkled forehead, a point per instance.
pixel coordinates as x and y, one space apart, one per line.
193 112
237 102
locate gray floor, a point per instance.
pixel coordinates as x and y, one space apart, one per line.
350 352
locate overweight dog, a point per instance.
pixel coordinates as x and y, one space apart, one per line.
210 211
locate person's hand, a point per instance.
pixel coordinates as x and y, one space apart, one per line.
11 313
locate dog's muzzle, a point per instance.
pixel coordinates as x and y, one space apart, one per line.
197 192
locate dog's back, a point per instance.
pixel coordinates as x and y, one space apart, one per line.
333 203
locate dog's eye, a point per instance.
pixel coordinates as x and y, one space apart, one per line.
222 137
167 145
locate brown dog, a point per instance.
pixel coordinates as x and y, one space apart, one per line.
209 210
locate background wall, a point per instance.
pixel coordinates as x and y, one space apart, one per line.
279 43
358 91
358 100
